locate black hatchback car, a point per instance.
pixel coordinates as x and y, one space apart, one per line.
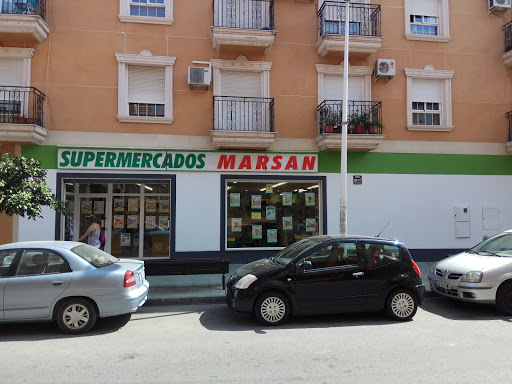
329 274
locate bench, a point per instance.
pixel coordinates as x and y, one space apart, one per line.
187 267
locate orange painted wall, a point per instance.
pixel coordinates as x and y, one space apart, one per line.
76 68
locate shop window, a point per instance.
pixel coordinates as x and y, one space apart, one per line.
427 20
146 11
271 213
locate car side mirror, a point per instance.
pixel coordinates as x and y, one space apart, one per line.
305 265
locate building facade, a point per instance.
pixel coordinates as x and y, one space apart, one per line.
213 127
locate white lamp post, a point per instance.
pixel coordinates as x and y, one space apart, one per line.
344 129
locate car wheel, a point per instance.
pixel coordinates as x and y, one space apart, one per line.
272 308
76 316
504 299
401 305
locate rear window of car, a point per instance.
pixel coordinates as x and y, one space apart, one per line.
94 256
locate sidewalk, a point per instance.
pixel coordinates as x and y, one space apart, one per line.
207 289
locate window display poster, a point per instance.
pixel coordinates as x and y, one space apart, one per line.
256 202
268 188
150 205
287 199
150 222
163 206
310 225
310 199
234 199
99 207
86 206
270 213
274 198
118 221
133 204
133 221
256 215
236 224
119 204
163 221
125 239
271 235
257 231
287 223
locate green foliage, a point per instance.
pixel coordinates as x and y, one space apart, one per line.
23 190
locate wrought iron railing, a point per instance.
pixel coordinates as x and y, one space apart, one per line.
24 7
364 117
509 116
364 19
245 14
21 105
507 28
234 113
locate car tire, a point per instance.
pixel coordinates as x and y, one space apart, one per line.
504 299
76 316
272 308
401 305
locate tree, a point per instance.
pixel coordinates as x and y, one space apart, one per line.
23 190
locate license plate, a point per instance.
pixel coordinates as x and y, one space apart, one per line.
442 284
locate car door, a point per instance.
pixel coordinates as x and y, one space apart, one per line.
41 277
6 265
382 267
333 280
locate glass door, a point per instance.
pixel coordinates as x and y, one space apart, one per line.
125 226
91 205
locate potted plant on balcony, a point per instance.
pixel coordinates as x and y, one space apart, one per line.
331 120
376 127
360 123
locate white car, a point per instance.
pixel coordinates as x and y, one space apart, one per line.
70 283
483 274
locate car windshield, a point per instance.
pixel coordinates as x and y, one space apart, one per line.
94 256
289 253
500 245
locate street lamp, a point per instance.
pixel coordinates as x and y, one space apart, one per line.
344 128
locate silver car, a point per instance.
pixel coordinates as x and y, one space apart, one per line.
483 274
67 282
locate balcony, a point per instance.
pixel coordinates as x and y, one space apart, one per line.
508 144
243 122
364 30
24 17
364 125
22 115
247 23
507 56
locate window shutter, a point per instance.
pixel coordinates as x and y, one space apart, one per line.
235 83
427 90
334 90
146 84
11 72
425 7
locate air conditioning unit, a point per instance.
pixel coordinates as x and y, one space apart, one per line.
385 68
499 5
199 76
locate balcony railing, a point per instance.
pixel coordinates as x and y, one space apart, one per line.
509 117
24 7
233 113
364 117
245 14
365 19
507 28
21 105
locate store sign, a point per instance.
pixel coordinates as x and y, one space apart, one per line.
105 159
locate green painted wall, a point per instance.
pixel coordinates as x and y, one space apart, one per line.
364 162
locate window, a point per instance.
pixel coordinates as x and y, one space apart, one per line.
271 213
427 20
145 88
334 255
6 259
379 254
40 262
337 27
424 25
146 11
429 104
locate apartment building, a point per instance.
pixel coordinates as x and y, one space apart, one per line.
213 127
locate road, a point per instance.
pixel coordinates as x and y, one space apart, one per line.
447 342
